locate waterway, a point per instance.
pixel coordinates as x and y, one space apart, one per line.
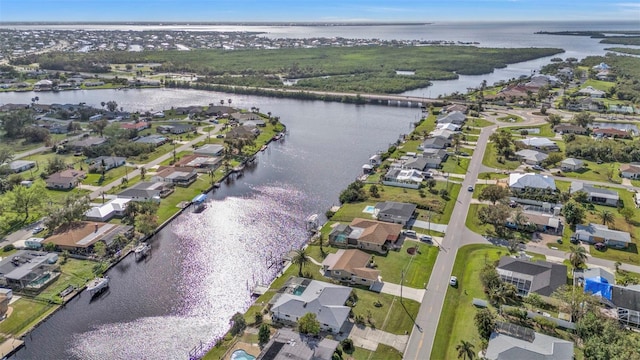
202 264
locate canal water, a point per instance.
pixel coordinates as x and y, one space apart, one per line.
203 264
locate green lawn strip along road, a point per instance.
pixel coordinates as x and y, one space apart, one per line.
457 318
353 69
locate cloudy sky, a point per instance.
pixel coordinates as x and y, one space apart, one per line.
317 10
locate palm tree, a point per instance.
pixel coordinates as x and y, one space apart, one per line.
143 172
607 217
465 350
300 258
578 256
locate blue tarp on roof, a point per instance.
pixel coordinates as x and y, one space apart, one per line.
598 286
199 199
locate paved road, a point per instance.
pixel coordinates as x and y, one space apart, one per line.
421 341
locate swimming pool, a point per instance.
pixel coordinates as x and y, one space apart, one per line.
369 209
299 290
241 355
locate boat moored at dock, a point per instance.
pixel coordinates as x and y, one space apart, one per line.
98 285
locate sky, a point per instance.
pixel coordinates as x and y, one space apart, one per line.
317 10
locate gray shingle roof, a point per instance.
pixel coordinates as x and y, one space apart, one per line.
545 277
543 347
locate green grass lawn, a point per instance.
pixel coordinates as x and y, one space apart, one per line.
491 176
74 272
441 209
478 122
456 319
26 313
168 205
417 268
544 130
109 176
472 221
598 84
490 159
510 118
179 156
456 166
393 316
596 172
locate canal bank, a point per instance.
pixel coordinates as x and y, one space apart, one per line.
197 273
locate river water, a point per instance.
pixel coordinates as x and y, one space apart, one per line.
203 264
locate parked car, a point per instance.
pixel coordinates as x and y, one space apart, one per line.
453 281
537 167
426 238
410 233
470 188
37 229
600 246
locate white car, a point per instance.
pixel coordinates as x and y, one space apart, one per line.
453 281
426 238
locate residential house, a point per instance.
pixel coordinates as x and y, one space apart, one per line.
566 73
407 178
531 180
325 300
287 344
601 67
351 266
255 123
442 133
531 157
81 144
156 140
93 83
199 161
28 270
210 150
539 143
434 143
454 117
630 171
596 233
81 239
611 133
571 164
590 91
511 341
180 176
144 191
417 163
366 234
43 85
448 126
545 223
19 166
105 212
435 157
585 104
570 129
581 275
242 132
139 126
106 162
375 160
621 109
540 277
175 128
394 212
65 179
596 195
456 107
627 301
218 110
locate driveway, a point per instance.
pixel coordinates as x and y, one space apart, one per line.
368 338
427 225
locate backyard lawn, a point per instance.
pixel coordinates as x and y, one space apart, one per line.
26 312
74 272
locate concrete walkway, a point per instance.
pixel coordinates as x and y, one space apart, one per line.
368 338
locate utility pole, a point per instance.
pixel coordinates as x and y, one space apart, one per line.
401 282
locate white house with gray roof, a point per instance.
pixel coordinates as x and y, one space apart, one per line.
596 233
19 166
596 195
325 300
531 180
531 157
515 342
539 143
571 164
